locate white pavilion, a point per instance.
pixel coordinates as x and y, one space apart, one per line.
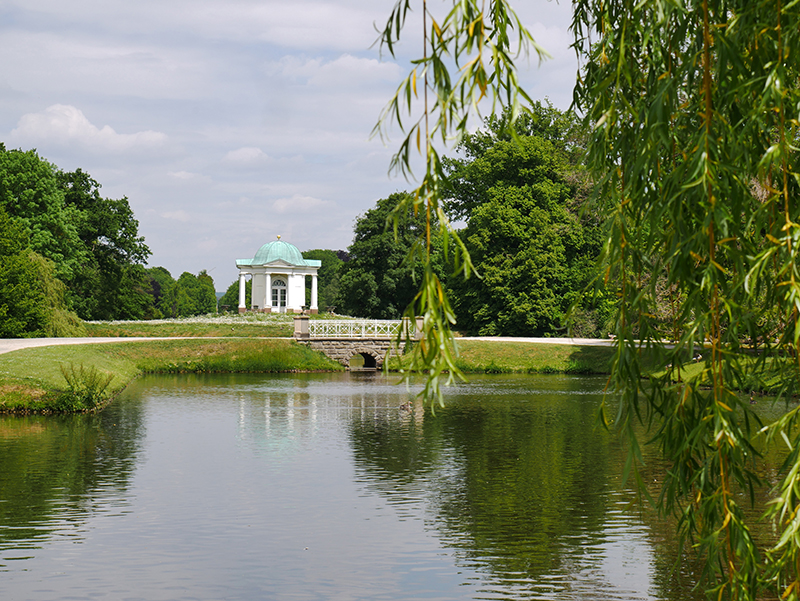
279 274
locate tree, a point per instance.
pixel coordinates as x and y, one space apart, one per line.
164 290
693 114
328 276
30 194
93 241
500 154
22 310
379 281
195 295
111 282
31 297
528 237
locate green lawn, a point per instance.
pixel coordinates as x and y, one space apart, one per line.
30 379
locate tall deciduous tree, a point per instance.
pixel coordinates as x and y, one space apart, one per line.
31 195
111 282
380 280
22 300
93 241
195 295
694 108
532 242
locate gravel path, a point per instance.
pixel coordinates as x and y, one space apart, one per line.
14 344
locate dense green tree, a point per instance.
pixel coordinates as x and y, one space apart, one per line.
22 310
31 297
195 295
533 247
111 282
378 281
164 291
31 195
328 277
503 154
92 241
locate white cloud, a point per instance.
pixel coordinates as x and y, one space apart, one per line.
247 155
299 204
66 125
181 216
184 175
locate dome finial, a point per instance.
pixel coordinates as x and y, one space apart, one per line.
279 236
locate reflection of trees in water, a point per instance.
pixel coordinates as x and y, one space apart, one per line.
522 485
52 467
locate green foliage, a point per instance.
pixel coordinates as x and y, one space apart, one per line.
111 282
31 195
31 298
380 280
195 295
694 114
466 57
86 389
92 241
231 296
533 249
22 310
164 290
327 276
58 320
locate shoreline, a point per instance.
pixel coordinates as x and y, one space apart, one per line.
35 372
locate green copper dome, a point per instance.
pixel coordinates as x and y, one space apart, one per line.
278 250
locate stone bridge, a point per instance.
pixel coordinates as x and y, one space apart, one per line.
342 339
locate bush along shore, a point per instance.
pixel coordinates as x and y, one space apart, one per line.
83 378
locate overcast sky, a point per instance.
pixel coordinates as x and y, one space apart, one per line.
225 122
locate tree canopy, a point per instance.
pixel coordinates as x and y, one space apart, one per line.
532 243
328 277
380 280
693 112
93 241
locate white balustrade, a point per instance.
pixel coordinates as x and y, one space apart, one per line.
354 328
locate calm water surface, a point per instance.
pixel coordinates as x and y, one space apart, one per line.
306 487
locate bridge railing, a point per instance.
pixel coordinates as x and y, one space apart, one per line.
354 328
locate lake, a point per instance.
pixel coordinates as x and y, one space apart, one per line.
320 486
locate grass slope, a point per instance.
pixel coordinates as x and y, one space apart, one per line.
32 379
487 356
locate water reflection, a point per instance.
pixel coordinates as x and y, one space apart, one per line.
56 471
322 486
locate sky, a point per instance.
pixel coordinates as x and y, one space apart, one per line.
227 122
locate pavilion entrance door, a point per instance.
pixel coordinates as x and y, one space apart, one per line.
279 295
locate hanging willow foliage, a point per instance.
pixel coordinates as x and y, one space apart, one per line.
468 56
694 107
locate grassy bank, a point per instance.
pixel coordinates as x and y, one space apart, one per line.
252 325
38 379
78 377
495 357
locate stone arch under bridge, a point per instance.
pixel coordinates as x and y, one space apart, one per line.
343 349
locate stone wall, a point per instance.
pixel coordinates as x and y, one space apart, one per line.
342 349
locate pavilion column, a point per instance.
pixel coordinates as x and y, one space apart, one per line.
314 308
242 305
268 295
